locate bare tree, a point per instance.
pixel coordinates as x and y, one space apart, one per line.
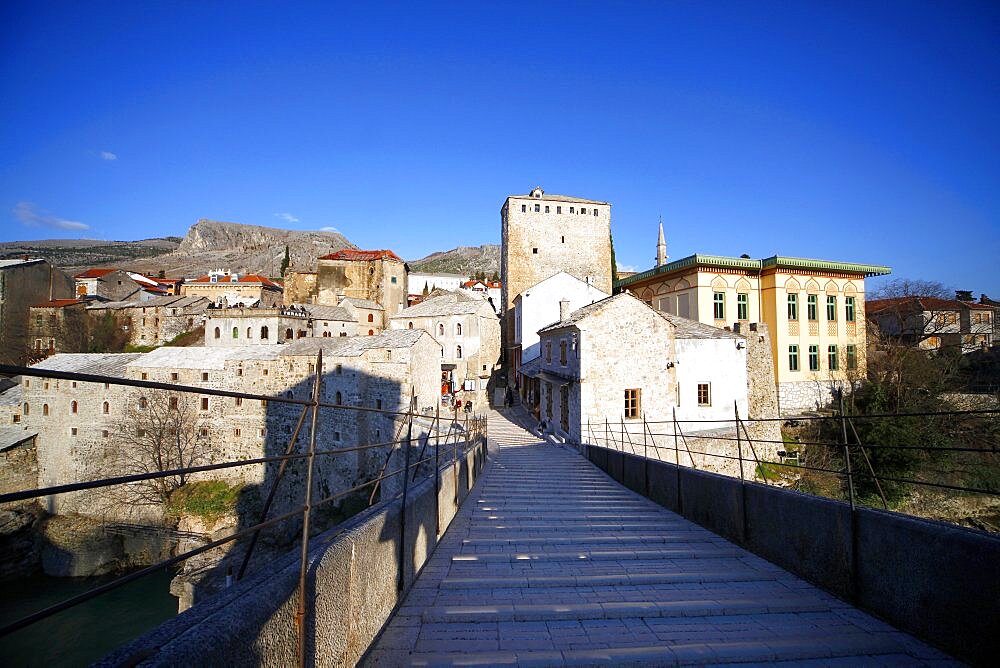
912 287
155 433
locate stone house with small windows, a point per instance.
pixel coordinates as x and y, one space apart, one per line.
264 327
153 322
369 315
543 234
57 326
932 323
619 373
78 424
374 275
468 330
24 282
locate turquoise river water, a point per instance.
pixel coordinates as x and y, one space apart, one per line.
80 635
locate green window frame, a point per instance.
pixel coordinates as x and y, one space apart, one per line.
793 307
719 305
852 357
814 358
793 358
831 307
812 307
831 357
742 306
849 309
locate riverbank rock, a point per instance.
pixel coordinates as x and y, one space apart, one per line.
20 542
78 546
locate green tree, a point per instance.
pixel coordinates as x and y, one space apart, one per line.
285 261
614 266
107 335
495 277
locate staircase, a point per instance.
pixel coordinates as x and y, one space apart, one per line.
550 562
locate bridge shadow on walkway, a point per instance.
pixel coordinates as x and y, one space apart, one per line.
550 562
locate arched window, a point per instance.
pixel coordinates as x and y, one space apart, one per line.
458 352
409 325
371 332
45 409
249 333
142 402
339 399
236 332
217 333
72 407
440 329
326 335
458 329
263 332
106 408
289 334
371 317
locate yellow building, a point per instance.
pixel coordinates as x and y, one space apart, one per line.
814 310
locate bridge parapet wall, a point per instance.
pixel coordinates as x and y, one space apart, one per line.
352 586
934 580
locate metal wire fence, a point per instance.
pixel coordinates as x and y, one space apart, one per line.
677 441
449 439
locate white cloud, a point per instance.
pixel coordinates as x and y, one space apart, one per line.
329 229
287 217
626 267
25 212
108 155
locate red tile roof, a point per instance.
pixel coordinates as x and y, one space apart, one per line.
241 278
362 255
59 303
94 273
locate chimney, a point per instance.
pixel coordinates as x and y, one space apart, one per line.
563 309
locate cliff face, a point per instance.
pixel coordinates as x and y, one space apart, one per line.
461 260
213 244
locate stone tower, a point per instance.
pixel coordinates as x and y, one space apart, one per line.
661 247
542 234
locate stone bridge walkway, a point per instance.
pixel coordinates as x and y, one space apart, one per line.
550 562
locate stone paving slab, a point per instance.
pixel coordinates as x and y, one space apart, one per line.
550 562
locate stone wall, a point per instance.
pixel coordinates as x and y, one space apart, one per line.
808 395
383 281
762 394
300 288
22 285
19 467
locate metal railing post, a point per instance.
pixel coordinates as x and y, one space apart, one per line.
743 482
677 463
406 488
437 470
850 491
300 615
645 457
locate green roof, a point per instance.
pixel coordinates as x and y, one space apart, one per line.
776 261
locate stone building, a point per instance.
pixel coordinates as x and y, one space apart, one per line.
153 322
111 284
223 289
24 282
814 311
492 290
931 323
300 287
83 427
467 328
619 373
539 306
375 275
369 315
543 234
57 326
263 327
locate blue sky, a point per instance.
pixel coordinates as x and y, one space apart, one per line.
855 131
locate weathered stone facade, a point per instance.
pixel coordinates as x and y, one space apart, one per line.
58 326
79 424
156 321
300 288
545 234
23 283
468 330
378 276
264 327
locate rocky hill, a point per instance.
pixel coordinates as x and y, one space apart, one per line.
462 260
72 254
211 244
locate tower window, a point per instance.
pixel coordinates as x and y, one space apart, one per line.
558 209
564 239
572 209
583 210
595 212
534 251
546 208
538 207
524 208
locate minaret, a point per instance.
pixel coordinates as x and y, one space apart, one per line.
661 247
